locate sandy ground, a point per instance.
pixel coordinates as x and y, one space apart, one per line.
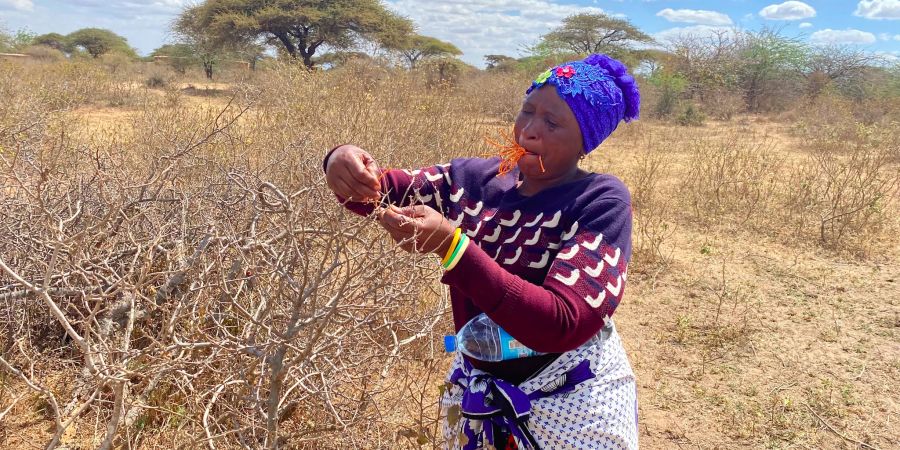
741 341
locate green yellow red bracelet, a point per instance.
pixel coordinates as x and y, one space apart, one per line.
453 244
457 252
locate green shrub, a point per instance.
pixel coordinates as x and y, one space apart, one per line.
691 117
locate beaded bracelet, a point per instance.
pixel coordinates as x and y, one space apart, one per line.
455 241
457 252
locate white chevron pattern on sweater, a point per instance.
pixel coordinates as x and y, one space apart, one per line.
433 177
515 258
535 239
568 235
569 280
458 221
493 237
535 221
552 223
595 271
457 196
514 237
615 290
513 220
542 263
595 302
423 198
473 233
592 246
613 260
474 211
568 254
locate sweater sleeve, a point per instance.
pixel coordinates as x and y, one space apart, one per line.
403 187
581 290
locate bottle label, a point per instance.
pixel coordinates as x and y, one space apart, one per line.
513 349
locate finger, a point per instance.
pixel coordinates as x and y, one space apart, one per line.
360 191
373 170
393 221
413 211
361 171
342 190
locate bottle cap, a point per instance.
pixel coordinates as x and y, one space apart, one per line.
450 343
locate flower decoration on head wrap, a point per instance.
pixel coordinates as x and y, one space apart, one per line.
565 72
599 91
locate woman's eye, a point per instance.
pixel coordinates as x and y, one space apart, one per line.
525 112
551 125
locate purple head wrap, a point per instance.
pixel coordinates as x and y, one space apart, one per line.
599 91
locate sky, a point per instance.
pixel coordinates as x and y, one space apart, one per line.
507 27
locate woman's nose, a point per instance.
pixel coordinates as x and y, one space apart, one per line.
528 131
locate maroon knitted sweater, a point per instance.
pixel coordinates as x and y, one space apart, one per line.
549 268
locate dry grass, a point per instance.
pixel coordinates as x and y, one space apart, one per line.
763 312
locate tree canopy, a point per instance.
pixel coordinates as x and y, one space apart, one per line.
594 33
180 56
498 62
52 40
206 47
416 47
97 41
300 27
11 42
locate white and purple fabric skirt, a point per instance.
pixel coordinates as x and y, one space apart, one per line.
585 399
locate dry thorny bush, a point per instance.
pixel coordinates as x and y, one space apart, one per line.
194 281
188 279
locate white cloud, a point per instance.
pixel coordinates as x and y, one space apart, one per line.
696 31
804 25
697 16
21 5
790 10
848 36
878 9
483 27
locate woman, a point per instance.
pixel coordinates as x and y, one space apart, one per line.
542 250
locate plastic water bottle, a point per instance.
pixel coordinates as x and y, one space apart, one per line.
484 340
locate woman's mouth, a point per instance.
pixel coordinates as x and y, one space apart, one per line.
538 156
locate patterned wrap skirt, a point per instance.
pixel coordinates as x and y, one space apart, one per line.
585 399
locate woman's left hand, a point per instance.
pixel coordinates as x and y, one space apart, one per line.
418 228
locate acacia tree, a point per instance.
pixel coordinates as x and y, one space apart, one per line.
97 41
416 47
299 27
53 40
205 47
842 65
180 56
769 64
499 62
594 33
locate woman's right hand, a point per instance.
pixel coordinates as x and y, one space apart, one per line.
353 174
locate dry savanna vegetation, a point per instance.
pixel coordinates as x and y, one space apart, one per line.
174 272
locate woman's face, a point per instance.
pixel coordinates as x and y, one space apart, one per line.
548 130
